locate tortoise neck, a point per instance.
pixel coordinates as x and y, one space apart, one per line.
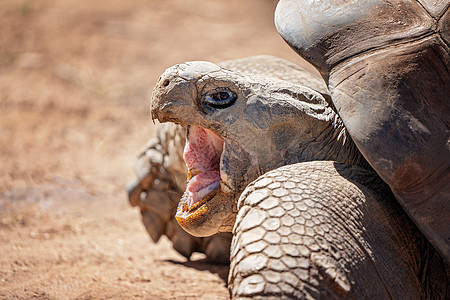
339 142
331 139
308 127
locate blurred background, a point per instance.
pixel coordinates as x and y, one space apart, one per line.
75 78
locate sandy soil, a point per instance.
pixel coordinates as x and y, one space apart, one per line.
74 84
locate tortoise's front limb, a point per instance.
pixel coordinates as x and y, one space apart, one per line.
324 230
159 184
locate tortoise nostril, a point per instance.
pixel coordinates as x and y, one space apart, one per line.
166 82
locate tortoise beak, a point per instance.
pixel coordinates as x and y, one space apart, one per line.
174 95
172 99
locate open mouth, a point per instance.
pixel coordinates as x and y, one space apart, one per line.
202 154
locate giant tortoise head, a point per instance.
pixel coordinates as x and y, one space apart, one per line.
239 126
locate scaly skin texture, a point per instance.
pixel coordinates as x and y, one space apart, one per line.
371 249
271 123
325 230
161 172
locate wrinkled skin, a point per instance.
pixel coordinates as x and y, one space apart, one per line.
365 256
326 230
387 64
161 172
269 123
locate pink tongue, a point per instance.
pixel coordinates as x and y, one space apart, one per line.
202 155
202 185
203 149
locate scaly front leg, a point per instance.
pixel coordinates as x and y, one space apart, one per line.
326 230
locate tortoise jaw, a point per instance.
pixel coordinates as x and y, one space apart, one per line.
187 206
206 195
202 155
207 217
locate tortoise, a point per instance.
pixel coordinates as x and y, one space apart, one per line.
322 224
161 171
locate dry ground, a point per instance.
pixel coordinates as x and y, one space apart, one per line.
74 83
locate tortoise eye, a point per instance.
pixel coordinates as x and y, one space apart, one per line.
219 99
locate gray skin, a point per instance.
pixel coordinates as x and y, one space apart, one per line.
387 64
326 230
161 172
272 123
324 225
